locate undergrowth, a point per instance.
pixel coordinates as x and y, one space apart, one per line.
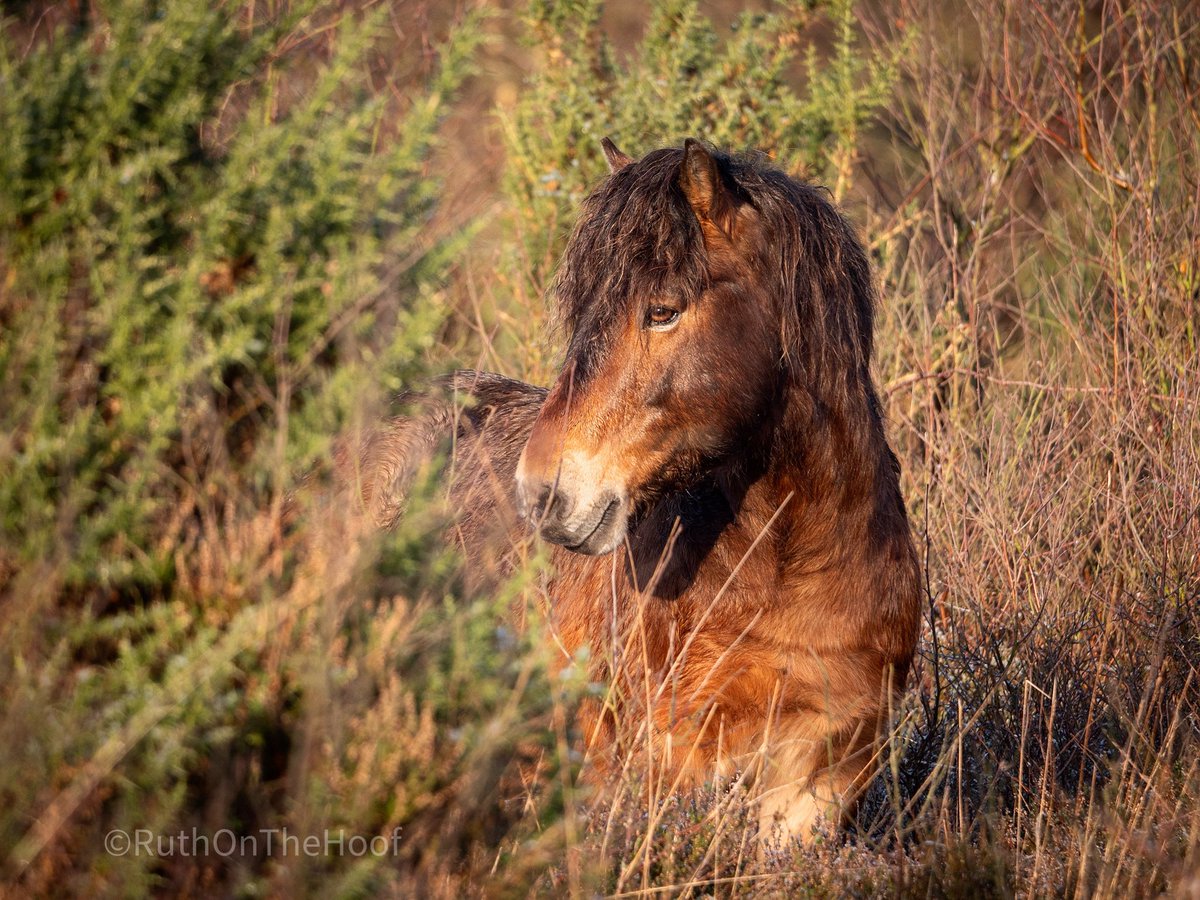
225 242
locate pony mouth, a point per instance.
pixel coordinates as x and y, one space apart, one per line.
601 528
595 536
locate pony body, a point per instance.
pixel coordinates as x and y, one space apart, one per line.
711 466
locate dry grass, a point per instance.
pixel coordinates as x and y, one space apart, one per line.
1032 200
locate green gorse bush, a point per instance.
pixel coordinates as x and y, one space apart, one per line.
217 251
176 278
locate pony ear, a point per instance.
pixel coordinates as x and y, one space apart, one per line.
616 159
705 190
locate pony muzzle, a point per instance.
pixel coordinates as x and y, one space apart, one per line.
579 513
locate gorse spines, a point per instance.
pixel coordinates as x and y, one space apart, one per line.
218 246
183 242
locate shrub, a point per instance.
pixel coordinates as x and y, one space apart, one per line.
219 250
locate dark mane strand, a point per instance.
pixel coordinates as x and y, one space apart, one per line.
635 235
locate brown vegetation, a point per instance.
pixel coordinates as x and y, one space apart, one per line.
1028 189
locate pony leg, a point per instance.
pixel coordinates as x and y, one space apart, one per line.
810 783
799 808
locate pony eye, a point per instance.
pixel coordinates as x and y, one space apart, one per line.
661 317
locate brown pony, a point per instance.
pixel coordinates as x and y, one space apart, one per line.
733 545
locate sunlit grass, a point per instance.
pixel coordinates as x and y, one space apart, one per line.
202 631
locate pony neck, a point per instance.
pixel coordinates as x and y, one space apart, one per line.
829 465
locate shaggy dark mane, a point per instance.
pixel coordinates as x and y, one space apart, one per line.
636 235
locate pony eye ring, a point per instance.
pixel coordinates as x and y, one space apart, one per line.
660 318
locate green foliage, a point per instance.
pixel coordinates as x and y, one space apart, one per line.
682 80
217 253
181 277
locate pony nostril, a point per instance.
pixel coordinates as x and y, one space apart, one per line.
545 505
538 510
551 507
561 505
